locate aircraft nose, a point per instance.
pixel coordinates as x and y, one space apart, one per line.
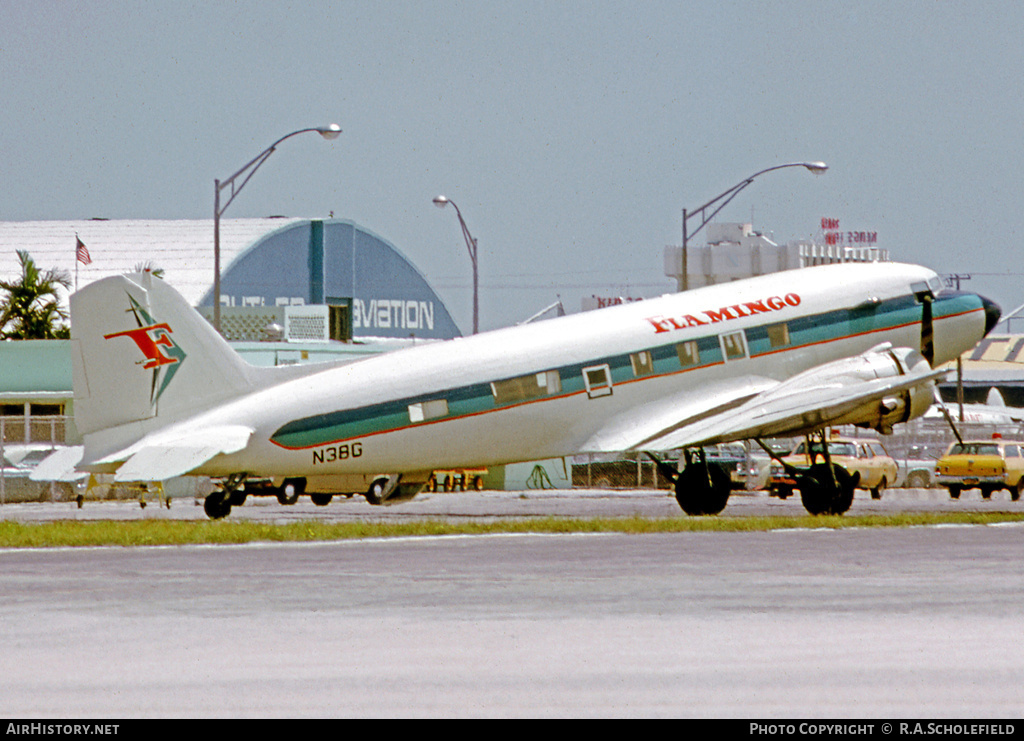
992 313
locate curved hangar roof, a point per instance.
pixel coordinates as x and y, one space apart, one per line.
264 262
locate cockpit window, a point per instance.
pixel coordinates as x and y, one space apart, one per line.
922 291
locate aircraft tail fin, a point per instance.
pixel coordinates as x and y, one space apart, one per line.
139 351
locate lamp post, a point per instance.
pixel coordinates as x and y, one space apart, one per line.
441 202
328 132
815 167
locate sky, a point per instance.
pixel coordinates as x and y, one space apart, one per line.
570 134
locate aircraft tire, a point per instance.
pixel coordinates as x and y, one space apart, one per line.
290 491
700 493
375 494
818 494
217 505
812 494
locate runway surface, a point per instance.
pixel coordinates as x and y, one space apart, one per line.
861 623
503 504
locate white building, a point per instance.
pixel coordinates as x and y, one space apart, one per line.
736 251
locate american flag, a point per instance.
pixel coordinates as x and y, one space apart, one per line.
82 252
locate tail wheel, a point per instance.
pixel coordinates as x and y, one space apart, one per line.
375 494
217 505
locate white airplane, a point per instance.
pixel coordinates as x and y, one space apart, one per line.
160 394
993 412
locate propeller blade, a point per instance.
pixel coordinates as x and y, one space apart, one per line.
927 331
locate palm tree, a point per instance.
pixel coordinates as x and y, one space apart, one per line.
149 267
31 309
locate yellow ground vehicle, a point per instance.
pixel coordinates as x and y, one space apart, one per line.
867 458
988 465
465 479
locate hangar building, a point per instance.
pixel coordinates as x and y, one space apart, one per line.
324 273
271 263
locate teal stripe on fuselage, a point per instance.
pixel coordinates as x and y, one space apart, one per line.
804 331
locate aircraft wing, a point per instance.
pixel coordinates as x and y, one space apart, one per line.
884 385
641 425
162 457
789 409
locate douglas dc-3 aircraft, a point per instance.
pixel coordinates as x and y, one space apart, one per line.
160 394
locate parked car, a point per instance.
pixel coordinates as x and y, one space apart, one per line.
733 458
747 469
917 467
866 457
988 465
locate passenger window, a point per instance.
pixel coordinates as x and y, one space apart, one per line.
734 345
598 380
688 353
422 411
524 388
642 362
778 335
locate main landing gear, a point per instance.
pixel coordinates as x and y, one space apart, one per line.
702 488
217 505
826 488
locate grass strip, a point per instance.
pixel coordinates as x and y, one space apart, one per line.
71 533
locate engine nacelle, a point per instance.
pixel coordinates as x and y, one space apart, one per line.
902 406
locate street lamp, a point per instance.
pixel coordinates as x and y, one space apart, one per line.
815 167
441 202
328 132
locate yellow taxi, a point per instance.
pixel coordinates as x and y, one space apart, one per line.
865 457
988 465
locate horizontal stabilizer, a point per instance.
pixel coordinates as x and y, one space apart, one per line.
157 458
59 465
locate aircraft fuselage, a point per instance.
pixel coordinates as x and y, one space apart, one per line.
549 389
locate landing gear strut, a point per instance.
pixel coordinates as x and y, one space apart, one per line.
218 504
702 488
825 488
